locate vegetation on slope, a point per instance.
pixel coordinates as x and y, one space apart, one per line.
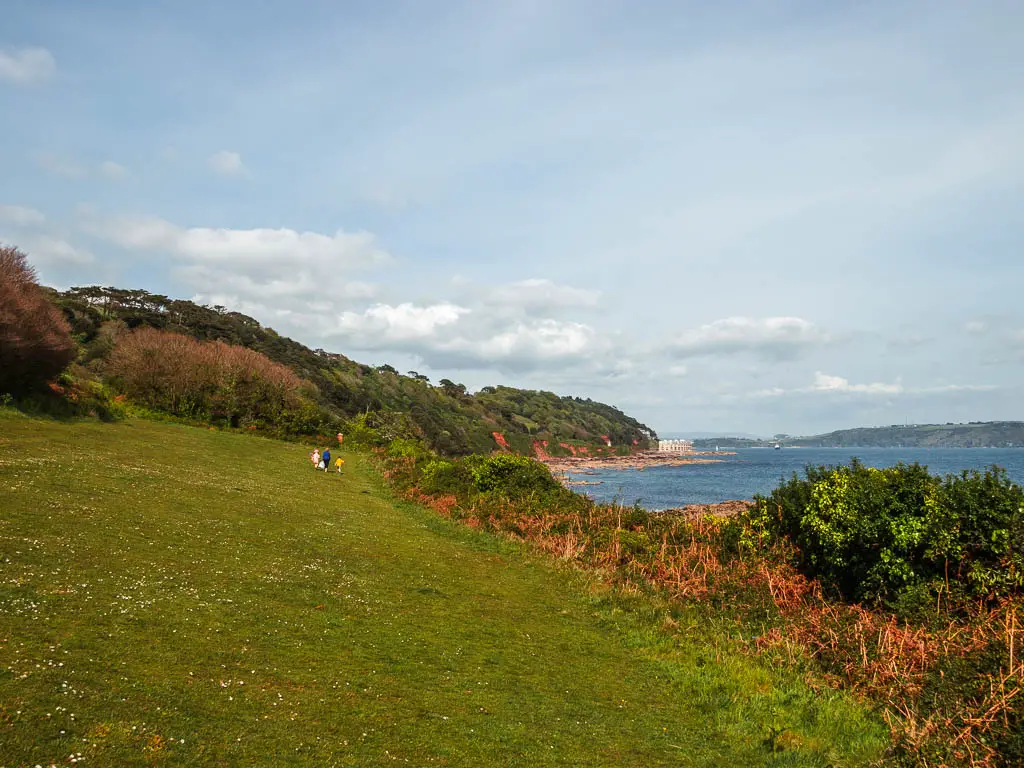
899 585
989 434
446 416
180 596
944 558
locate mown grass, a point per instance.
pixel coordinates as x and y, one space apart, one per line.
172 596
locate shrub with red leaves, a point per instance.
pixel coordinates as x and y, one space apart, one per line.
35 341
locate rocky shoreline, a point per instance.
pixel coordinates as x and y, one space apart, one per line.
639 461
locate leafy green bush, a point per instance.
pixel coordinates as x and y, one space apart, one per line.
899 535
402 446
510 474
447 477
359 434
975 532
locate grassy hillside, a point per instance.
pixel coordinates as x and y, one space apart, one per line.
448 417
177 596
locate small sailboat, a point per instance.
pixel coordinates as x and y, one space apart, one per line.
778 446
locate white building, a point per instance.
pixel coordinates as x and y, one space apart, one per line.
675 446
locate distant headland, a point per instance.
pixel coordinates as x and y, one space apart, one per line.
975 434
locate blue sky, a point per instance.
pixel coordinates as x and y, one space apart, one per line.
761 216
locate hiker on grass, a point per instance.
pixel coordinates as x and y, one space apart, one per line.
316 458
325 463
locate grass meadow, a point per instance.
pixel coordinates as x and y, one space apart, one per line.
171 595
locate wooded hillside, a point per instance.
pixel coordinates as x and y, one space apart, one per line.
448 417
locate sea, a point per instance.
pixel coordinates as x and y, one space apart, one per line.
758 470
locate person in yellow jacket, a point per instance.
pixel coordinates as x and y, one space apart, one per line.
339 462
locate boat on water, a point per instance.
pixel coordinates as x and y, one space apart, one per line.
778 446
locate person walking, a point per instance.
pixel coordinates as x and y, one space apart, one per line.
338 463
316 458
326 460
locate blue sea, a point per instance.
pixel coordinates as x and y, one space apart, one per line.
758 470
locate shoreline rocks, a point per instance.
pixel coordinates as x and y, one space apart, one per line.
637 461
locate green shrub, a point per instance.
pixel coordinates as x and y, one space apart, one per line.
975 530
510 474
447 477
359 434
898 535
402 446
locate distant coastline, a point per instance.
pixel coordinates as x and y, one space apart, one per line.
981 434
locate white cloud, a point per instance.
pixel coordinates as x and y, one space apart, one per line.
536 297
52 251
678 370
112 170
446 336
26 66
21 216
383 325
527 346
281 268
826 383
976 327
226 163
775 338
542 295
837 385
279 250
544 340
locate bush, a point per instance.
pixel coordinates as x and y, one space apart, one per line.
35 341
447 478
403 447
899 535
71 396
359 434
213 381
510 474
975 532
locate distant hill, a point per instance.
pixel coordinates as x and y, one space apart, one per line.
445 415
979 434
725 442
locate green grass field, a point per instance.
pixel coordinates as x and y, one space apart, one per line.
176 596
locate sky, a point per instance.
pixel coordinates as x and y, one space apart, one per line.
760 216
